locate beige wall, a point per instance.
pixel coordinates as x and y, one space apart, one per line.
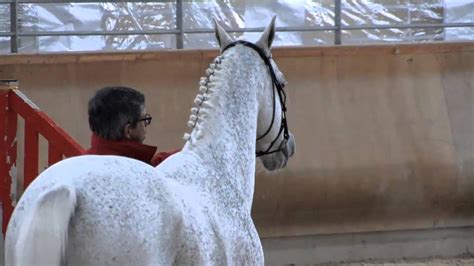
385 134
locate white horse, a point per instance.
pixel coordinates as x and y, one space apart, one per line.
192 209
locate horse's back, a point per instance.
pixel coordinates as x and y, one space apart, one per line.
125 214
129 213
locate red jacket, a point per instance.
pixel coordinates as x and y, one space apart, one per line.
126 148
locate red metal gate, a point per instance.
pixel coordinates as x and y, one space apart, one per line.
13 103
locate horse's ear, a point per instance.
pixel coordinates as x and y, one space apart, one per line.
223 38
265 41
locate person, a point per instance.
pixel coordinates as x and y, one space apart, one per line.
118 121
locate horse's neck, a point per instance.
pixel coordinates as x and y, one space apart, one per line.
225 132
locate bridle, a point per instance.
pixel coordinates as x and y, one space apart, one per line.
282 96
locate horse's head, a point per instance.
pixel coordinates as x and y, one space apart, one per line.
275 144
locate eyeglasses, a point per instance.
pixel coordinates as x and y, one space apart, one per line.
147 119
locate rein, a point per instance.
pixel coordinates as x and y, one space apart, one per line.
278 87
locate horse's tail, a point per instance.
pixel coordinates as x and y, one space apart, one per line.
42 237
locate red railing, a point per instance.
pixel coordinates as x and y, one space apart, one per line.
13 103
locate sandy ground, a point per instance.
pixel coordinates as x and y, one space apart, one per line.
466 260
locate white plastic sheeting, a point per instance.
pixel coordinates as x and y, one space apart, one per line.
459 11
235 14
4 27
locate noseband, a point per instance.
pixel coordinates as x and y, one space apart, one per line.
277 86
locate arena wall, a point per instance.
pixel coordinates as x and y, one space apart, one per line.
385 134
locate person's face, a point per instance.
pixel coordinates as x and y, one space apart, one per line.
137 133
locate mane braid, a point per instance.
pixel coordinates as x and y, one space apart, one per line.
198 110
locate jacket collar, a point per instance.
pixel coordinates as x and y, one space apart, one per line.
125 148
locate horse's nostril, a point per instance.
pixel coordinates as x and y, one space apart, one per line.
284 150
291 146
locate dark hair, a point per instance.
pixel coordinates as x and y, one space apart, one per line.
112 108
